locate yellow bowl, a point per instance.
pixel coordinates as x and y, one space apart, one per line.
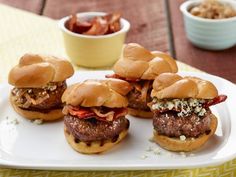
94 51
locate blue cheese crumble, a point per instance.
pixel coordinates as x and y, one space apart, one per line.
185 107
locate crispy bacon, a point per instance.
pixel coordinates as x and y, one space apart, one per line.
109 114
36 101
77 25
116 76
113 21
29 99
144 91
112 114
216 100
81 113
98 25
137 86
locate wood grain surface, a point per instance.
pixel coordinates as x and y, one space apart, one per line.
148 23
221 63
149 27
35 6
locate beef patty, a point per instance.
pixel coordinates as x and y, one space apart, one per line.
88 130
29 98
171 125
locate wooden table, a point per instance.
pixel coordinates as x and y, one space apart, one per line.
156 24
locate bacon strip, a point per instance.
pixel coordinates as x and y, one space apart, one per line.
36 101
216 100
137 86
116 76
99 27
86 113
81 113
109 115
144 91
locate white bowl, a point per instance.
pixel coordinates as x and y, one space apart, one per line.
212 34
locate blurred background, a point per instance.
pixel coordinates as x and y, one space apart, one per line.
156 24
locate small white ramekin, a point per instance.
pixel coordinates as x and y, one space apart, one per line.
211 34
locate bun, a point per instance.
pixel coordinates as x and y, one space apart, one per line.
168 59
34 71
120 86
133 51
138 62
171 85
165 80
140 113
95 146
32 115
175 144
110 93
130 69
206 89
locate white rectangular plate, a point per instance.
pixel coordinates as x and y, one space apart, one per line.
26 145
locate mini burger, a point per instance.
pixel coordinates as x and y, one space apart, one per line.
95 112
139 67
182 119
39 82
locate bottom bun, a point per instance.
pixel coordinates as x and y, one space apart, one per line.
95 146
140 113
190 144
54 114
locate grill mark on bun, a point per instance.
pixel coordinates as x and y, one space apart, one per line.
102 142
95 147
115 138
88 144
76 139
127 125
208 132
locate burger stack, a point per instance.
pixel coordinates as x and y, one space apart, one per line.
39 82
139 67
182 118
144 84
95 114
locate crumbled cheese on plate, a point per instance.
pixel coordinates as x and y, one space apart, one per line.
182 138
38 121
144 156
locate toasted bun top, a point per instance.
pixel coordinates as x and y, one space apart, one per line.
35 71
138 62
171 85
110 93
